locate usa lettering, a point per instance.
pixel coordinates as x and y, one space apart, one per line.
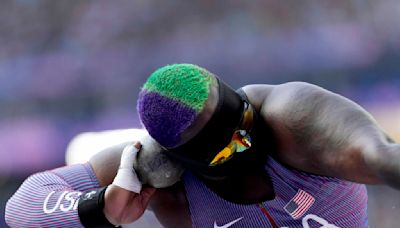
65 202
315 218
321 221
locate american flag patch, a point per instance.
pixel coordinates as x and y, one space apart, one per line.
299 204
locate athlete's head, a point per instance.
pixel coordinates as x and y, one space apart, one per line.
172 99
198 118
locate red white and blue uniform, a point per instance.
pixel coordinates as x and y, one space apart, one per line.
49 199
301 200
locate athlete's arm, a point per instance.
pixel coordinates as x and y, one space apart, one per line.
326 134
50 198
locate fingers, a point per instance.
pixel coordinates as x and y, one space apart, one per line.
129 155
138 145
146 195
126 176
147 192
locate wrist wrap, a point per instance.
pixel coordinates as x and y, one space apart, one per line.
90 209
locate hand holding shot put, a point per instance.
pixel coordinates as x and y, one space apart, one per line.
126 199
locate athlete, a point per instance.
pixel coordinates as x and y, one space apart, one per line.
289 155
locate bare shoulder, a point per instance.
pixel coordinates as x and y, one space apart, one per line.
321 132
299 101
295 101
258 93
282 94
293 92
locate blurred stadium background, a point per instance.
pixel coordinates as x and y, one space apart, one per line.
72 66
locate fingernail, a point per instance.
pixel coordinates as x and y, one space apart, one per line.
138 145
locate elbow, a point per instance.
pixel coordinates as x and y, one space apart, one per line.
385 162
7 217
17 214
390 167
11 216
20 207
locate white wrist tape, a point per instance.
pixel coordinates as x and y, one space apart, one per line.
126 176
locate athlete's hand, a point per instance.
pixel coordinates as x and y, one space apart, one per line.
125 199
